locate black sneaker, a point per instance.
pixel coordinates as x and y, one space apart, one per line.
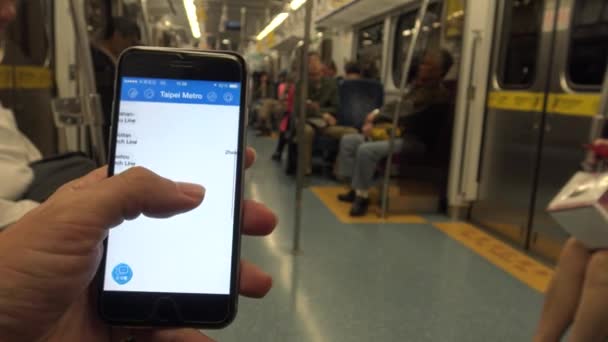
359 207
348 197
276 156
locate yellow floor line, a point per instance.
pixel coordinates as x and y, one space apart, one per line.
518 264
328 195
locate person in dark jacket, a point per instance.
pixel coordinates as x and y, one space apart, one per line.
360 153
121 34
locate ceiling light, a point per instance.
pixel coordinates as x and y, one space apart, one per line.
295 4
167 23
192 18
226 41
278 20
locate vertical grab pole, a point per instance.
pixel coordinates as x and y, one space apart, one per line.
598 120
243 44
300 126
89 99
146 21
403 83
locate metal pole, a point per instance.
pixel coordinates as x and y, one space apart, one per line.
146 21
404 74
598 122
243 29
300 126
91 105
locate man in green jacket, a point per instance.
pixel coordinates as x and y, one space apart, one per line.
321 108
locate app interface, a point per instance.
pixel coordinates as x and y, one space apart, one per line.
186 131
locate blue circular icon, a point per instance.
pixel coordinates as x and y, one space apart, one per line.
133 93
149 93
228 97
212 96
122 274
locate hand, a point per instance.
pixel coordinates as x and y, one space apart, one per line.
366 130
49 258
330 119
577 297
370 117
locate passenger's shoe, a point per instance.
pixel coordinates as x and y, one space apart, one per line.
348 197
359 207
276 156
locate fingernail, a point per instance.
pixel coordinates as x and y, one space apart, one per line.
194 191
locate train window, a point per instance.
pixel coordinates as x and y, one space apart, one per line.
369 49
429 37
520 42
588 48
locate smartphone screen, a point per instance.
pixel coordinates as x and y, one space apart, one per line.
184 130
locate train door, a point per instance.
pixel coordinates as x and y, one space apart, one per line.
547 73
577 71
512 132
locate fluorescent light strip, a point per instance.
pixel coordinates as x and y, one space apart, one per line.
192 18
295 4
278 20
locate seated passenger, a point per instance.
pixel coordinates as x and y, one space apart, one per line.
16 154
360 153
322 107
24 177
269 108
122 34
287 92
330 70
27 179
352 71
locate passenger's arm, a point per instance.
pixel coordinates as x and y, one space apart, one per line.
12 211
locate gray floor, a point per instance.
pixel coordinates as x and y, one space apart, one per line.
371 282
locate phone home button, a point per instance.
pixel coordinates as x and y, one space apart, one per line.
165 310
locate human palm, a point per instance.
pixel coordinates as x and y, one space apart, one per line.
48 260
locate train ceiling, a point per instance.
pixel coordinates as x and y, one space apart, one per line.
258 12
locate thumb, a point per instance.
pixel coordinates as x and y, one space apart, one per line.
141 191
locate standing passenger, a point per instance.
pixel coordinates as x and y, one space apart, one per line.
122 34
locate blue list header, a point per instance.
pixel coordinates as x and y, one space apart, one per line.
180 91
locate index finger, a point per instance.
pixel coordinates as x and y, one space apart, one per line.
102 173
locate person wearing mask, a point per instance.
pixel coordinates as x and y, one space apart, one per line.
360 153
321 109
121 34
49 258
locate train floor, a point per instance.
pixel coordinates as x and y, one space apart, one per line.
423 279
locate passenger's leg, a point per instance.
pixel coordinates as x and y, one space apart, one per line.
346 161
368 156
337 132
309 135
264 116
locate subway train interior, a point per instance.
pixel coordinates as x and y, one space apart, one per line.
430 225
